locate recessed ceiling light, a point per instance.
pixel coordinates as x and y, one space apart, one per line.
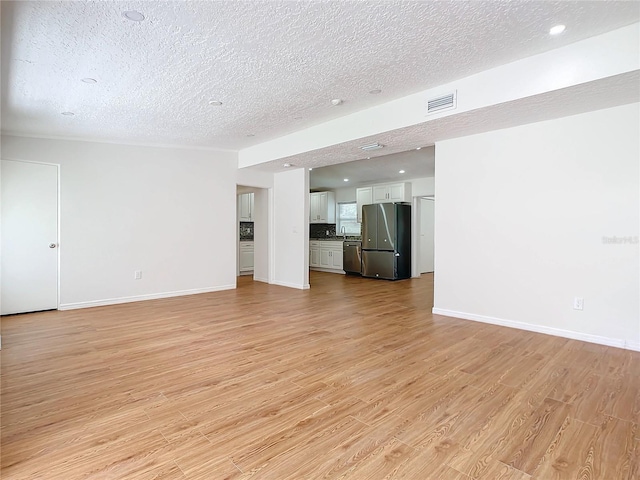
418 148
336 101
375 91
557 30
215 103
133 16
89 80
311 169
68 114
368 158
401 171
346 179
372 146
287 165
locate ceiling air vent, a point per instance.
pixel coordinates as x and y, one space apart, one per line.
373 146
443 102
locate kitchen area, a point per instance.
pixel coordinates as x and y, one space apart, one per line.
370 218
374 217
370 237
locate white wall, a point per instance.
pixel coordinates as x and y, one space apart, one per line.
169 212
291 228
422 187
345 194
520 218
261 246
254 178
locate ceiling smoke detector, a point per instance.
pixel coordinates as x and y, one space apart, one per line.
287 165
215 103
336 101
89 80
372 146
68 114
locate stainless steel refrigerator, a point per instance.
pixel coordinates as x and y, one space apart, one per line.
386 241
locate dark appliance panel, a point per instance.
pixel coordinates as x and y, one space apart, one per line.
386 226
370 227
379 264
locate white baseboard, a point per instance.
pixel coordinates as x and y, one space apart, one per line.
328 270
260 279
558 332
141 298
299 286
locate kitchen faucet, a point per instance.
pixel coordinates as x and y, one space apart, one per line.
343 231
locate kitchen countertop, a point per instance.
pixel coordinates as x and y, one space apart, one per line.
336 239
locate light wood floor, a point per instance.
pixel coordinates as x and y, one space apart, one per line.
353 379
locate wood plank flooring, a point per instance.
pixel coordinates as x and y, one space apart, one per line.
353 379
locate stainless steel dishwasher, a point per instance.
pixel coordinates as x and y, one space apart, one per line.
352 256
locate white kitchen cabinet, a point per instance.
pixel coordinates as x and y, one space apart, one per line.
326 256
364 196
335 257
393 192
322 207
245 207
246 256
314 254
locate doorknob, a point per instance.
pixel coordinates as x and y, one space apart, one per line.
52 245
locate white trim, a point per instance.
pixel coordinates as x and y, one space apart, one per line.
558 332
119 142
260 279
141 298
291 285
632 346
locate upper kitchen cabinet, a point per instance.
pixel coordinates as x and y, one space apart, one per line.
245 207
393 192
322 207
384 193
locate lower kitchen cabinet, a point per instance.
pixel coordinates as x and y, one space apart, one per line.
325 255
246 256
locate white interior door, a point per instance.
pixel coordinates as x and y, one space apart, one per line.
426 234
29 237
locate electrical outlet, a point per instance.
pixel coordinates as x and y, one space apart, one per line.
578 303
137 274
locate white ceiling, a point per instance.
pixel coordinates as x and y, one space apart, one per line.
274 65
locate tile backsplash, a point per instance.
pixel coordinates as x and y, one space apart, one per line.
246 231
319 230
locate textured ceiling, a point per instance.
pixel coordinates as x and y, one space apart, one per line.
605 93
415 163
274 65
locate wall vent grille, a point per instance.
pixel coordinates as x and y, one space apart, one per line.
443 102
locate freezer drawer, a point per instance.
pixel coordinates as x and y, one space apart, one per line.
377 264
